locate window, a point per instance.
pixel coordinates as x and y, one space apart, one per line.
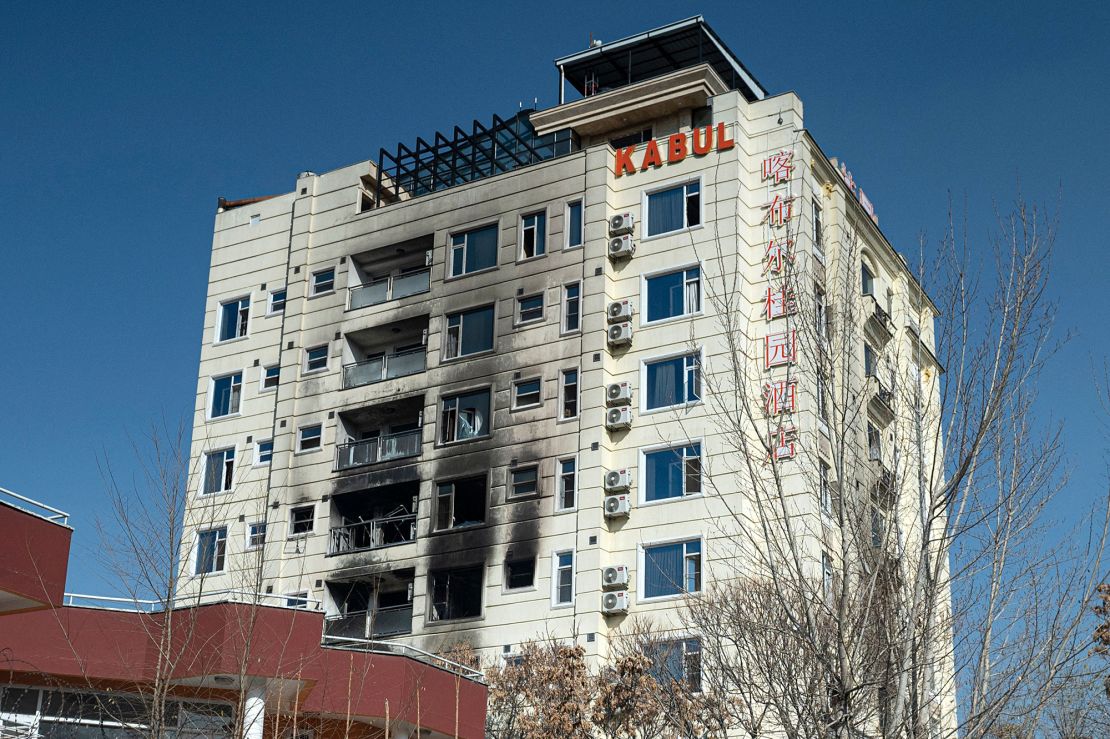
310 437
226 393
870 361
575 233
277 302
316 358
569 390
211 548
818 228
672 382
234 319
456 593
296 600
270 375
533 236
256 535
526 393
572 307
822 397
524 481
867 281
820 313
219 471
465 416
264 452
874 443
323 281
674 294
562 579
672 473
672 569
826 575
460 503
469 332
520 574
678 660
301 520
674 209
529 309
474 250
566 498
825 491
256 219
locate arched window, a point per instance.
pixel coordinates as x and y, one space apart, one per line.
867 280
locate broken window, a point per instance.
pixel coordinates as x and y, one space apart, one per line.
520 573
460 503
456 593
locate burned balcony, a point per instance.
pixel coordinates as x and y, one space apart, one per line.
373 519
390 273
385 352
380 433
371 609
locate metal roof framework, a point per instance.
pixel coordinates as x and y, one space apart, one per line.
659 51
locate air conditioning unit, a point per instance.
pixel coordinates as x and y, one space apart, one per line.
612 577
619 310
617 506
621 247
621 224
618 393
618 418
620 334
617 481
615 602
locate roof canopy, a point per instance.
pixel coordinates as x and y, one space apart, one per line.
657 52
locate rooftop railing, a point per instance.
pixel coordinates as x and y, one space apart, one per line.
34 507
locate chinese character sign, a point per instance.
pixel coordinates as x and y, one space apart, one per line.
780 349
778 166
779 303
780 397
779 210
782 443
780 253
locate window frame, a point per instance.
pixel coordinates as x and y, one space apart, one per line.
270 302
430 619
556 571
306 366
449 271
538 240
867 276
258 453
453 481
505 588
817 232
250 535
224 473
240 319
561 410
300 438
461 327
581 203
510 491
824 488
262 387
518 312
441 404
665 447
217 555
671 185
644 300
516 404
564 329
560 476
301 598
699 353
641 576
291 523
313 287
682 641
212 396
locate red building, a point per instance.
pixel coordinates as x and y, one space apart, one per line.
231 668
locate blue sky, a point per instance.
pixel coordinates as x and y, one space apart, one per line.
121 125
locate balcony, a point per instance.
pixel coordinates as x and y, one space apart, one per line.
371 609
385 352
384 367
390 272
375 518
373 534
393 287
879 327
381 449
380 433
380 623
881 400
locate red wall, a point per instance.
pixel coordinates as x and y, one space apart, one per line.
33 554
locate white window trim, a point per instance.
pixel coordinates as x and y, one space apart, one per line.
644 322
247 546
542 294
538 464
219 319
559 483
448 275
327 359
505 589
289 522
682 636
258 452
520 235
309 451
538 404
562 386
194 557
566 224
667 186
641 570
204 471
563 330
299 595
446 317
312 282
212 394
555 577
270 302
262 379
642 470
699 351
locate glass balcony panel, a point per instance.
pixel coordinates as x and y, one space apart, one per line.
370 294
364 373
405 363
411 284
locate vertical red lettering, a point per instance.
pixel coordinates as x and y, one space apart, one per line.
701 149
622 161
676 148
651 156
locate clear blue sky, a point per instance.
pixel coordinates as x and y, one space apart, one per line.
120 125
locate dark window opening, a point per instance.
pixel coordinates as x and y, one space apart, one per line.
461 503
456 594
520 574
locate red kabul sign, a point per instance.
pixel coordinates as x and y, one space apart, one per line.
698 142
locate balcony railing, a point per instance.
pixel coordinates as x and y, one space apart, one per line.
385 367
381 622
379 449
373 534
390 288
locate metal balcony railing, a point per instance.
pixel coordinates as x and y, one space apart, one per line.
373 534
32 506
379 449
389 288
375 624
384 367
